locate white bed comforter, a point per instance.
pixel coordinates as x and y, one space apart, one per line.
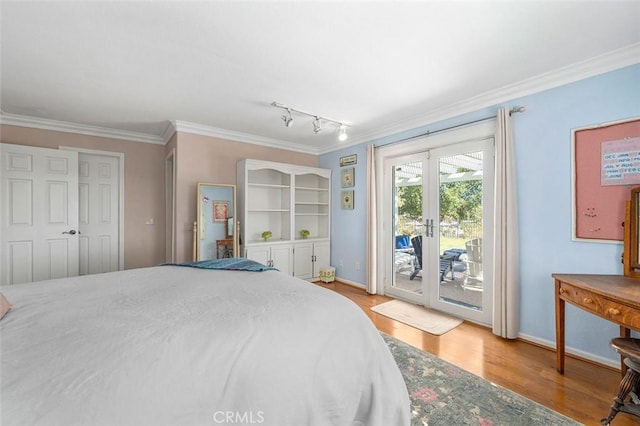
173 345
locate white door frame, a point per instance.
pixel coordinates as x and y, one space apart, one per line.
473 132
485 145
120 157
387 240
170 205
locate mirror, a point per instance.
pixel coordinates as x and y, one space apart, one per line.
214 232
631 251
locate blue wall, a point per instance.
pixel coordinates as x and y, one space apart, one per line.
543 160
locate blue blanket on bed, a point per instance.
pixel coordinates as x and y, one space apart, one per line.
230 264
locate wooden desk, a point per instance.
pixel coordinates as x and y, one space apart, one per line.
612 297
227 247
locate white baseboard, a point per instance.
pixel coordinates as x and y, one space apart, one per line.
353 283
573 351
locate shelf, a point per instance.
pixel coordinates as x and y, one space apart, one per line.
285 199
309 188
268 185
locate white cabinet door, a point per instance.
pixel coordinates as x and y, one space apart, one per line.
309 258
278 256
303 260
322 257
282 258
261 254
39 211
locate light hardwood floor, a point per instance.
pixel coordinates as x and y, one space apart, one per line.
585 392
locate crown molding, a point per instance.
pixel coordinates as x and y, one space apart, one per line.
81 129
610 61
200 129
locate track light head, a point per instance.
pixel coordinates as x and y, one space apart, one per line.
317 120
288 120
316 125
342 133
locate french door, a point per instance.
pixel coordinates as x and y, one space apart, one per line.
439 207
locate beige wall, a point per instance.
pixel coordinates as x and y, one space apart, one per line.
143 186
213 160
197 159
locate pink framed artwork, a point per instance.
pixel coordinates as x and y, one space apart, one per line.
606 165
220 211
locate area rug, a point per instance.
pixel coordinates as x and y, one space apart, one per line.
443 394
428 320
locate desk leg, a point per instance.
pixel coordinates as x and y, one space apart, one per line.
559 330
624 333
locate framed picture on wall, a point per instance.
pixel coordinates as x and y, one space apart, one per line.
347 200
220 211
348 160
348 178
605 165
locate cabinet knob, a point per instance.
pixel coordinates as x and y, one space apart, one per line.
562 290
614 311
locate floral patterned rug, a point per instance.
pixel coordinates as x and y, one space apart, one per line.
443 394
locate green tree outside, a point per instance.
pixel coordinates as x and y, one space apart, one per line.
460 202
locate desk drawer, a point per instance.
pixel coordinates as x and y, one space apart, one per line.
622 314
583 298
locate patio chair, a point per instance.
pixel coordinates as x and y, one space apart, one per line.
473 274
446 262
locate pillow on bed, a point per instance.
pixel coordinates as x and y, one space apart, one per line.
4 305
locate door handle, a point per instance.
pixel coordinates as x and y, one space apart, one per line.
72 232
429 225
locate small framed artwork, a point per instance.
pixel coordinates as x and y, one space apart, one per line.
348 178
348 160
347 200
220 211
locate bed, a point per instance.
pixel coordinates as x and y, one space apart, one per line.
171 345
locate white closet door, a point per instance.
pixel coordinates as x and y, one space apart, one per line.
99 197
39 207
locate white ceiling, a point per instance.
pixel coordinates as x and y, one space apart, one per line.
381 67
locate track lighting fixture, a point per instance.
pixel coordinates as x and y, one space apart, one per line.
288 120
317 120
316 126
342 133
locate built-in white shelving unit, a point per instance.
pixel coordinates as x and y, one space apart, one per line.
285 199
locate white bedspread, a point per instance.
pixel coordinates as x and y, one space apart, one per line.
173 345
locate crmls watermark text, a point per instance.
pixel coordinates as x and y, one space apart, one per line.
238 417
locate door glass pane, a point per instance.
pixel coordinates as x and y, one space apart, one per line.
460 236
407 220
